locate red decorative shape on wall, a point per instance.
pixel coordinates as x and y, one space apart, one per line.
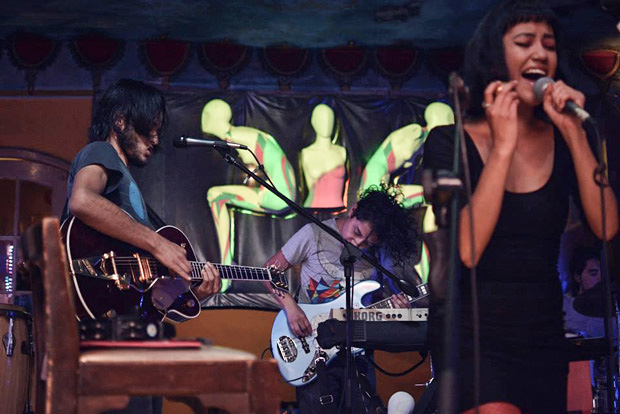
223 59
165 57
601 63
285 62
396 62
447 60
97 52
32 53
345 62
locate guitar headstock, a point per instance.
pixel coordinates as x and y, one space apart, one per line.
278 279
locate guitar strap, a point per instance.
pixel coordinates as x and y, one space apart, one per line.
327 399
365 399
154 217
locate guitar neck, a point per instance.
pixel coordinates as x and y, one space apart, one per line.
389 303
233 272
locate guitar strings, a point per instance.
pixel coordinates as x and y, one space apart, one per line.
250 273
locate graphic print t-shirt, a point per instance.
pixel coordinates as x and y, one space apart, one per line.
322 274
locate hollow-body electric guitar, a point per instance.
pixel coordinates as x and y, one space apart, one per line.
296 357
113 278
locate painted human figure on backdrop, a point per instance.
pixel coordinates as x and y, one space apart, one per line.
127 125
525 159
216 120
323 163
397 149
395 154
376 221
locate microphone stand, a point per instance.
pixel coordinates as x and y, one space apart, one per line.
348 257
443 189
602 179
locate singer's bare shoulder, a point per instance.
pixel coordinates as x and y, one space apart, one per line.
478 130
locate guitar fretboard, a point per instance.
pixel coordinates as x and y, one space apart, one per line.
389 303
233 272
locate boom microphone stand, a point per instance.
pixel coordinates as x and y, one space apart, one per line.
349 256
443 189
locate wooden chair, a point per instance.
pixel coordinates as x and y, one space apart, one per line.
90 381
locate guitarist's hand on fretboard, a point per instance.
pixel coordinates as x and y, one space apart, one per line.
211 282
399 300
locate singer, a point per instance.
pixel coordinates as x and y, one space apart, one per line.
525 158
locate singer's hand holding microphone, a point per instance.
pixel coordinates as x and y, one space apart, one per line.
563 105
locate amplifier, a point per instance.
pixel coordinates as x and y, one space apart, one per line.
121 328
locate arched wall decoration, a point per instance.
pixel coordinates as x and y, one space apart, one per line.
32 53
446 60
602 63
397 63
223 59
165 57
96 53
285 62
345 63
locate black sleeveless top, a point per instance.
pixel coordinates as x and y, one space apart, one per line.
520 296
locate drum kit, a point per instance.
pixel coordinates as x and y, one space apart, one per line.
591 303
16 359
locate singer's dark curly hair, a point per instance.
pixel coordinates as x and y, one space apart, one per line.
484 54
142 107
395 226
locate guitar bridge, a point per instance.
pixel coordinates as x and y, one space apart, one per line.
108 262
287 349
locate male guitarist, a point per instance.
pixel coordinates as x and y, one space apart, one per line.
376 221
125 129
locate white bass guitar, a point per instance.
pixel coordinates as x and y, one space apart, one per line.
296 357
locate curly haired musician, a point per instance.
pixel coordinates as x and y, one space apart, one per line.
377 220
126 128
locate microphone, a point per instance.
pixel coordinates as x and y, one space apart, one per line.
571 107
401 402
181 142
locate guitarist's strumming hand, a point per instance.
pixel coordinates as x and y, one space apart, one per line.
211 282
297 320
172 256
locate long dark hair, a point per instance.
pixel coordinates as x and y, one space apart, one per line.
484 55
140 105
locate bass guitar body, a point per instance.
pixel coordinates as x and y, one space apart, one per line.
296 356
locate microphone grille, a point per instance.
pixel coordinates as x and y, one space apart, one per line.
540 85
